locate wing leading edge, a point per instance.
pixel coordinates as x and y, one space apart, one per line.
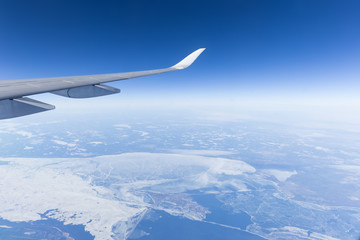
12 92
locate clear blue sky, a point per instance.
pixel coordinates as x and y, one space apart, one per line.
302 47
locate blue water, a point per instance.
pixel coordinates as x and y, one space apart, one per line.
221 214
166 226
161 225
43 229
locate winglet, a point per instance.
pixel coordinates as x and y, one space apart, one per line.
189 59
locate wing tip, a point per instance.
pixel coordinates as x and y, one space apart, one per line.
187 61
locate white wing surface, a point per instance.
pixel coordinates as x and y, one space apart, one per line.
12 92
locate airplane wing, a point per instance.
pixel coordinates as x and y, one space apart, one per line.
13 102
